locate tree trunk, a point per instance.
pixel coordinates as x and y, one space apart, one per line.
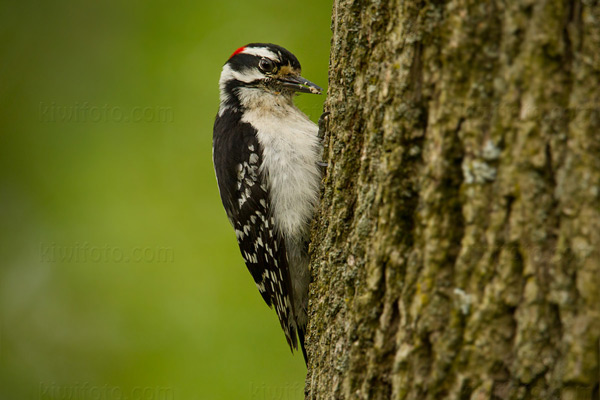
456 251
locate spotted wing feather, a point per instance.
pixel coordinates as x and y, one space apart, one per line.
243 190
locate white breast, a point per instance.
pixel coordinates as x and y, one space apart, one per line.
291 151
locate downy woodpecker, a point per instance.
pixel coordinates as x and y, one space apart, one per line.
266 154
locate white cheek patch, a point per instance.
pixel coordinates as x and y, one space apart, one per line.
228 74
247 75
261 52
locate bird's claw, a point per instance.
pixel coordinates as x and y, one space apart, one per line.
323 124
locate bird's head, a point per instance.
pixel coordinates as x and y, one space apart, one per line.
260 70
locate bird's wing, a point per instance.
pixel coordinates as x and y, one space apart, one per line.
244 195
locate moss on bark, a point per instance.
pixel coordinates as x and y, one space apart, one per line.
456 251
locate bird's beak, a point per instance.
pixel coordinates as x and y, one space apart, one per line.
299 84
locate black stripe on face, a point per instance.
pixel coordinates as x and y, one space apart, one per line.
241 62
286 57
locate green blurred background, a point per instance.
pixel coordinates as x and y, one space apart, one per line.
120 276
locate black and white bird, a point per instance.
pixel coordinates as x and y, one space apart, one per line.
266 154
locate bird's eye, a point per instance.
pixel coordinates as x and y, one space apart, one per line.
266 65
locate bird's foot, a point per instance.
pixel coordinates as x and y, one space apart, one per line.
323 121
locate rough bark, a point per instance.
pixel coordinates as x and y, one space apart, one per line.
456 251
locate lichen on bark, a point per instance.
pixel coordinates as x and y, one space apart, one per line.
456 250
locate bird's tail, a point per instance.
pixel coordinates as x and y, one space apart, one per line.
301 337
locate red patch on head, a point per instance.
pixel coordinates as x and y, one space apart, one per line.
238 51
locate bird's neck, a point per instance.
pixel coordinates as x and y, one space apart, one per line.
257 99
